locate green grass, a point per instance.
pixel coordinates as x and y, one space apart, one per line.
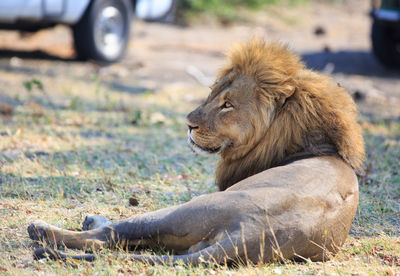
227 11
65 154
214 5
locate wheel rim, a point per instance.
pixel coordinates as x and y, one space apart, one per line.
109 30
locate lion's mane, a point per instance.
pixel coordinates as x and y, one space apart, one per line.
311 110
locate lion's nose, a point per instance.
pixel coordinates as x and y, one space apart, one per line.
191 126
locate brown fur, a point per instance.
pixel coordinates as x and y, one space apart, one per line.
309 109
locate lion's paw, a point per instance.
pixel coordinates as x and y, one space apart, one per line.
37 231
94 221
46 252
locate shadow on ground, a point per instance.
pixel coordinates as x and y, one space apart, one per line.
348 62
35 54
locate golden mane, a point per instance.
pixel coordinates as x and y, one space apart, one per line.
310 110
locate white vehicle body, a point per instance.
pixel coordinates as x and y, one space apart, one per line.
69 11
60 11
101 28
153 9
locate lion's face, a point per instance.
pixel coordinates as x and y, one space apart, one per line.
229 119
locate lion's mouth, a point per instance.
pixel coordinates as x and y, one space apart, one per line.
199 149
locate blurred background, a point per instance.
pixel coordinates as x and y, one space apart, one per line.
156 43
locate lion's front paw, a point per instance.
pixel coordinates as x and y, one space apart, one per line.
43 232
37 231
94 221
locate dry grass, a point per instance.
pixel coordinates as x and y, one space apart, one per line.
69 150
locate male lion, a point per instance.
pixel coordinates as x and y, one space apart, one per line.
288 140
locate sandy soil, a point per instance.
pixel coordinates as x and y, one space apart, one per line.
169 56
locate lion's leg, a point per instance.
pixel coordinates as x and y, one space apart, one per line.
52 235
114 235
138 230
176 228
164 227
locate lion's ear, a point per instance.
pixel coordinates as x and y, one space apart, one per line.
280 100
288 91
224 80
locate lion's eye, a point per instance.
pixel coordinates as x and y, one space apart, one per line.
227 105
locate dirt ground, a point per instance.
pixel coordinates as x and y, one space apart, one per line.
164 56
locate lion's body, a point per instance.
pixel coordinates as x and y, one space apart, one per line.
265 115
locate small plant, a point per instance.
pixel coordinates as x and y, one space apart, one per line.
33 83
75 103
136 117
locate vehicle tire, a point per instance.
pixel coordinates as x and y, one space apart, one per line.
103 32
386 43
